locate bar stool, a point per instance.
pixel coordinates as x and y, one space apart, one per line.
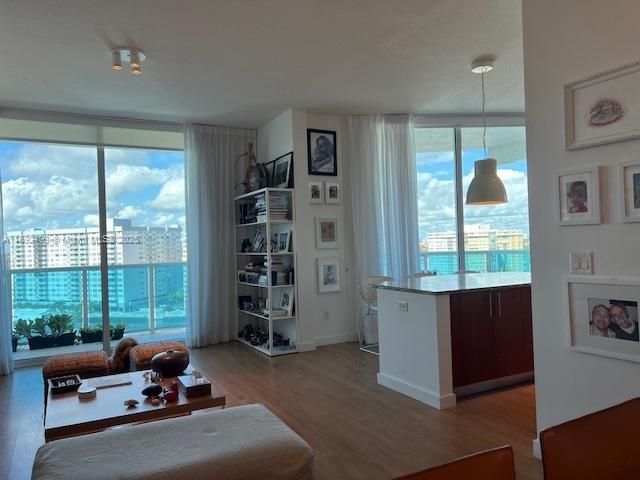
369 296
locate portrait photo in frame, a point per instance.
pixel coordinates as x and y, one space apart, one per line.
630 191
578 196
326 233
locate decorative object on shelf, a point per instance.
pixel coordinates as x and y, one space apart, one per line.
284 241
246 246
86 391
328 275
630 191
326 233
257 176
578 196
603 316
170 363
599 109
486 188
282 171
152 390
258 241
131 403
286 301
245 302
332 192
65 384
322 152
315 192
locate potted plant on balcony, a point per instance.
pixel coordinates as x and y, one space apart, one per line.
117 332
61 326
21 329
91 334
38 326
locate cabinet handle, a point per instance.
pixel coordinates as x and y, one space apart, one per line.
491 305
500 304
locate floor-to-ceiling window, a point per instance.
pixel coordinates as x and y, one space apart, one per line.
52 212
455 236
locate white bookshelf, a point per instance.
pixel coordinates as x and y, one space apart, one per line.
271 294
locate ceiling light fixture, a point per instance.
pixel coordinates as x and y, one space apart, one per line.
128 55
486 188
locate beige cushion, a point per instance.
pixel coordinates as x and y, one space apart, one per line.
238 443
85 364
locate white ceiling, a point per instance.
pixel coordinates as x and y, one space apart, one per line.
241 62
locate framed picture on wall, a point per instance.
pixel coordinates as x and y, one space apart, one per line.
603 108
603 316
630 191
332 192
315 192
322 152
326 233
578 196
328 275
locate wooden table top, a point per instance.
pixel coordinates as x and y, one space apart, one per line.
68 415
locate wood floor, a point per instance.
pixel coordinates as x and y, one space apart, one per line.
358 429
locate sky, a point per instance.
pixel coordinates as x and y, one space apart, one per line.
56 186
436 197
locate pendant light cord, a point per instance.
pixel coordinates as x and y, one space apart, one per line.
484 119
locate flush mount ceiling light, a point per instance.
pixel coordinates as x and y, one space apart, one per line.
128 55
486 188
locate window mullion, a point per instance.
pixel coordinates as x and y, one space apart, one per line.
459 199
104 267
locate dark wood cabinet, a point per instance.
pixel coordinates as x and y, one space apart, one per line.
491 334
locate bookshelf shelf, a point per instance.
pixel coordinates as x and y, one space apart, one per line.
270 212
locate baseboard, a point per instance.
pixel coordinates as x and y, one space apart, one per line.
307 346
537 450
322 341
421 394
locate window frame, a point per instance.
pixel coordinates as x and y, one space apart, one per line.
457 123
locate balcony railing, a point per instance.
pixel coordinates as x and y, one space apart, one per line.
445 263
146 297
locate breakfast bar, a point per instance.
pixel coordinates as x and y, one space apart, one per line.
455 335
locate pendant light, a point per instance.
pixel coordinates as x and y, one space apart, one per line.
486 188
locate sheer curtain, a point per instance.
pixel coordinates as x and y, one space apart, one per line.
210 153
6 352
384 195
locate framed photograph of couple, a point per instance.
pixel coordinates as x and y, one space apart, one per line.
328 275
322 152
578 196
630 191
603 316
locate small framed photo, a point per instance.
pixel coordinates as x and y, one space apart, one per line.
578 196
603 316
322 152
284 241
326 233
282 171
315 192
630 191
328 275
332 192
600 109
286 300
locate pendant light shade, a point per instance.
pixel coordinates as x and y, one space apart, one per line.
486 188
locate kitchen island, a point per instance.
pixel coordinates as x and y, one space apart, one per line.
454 335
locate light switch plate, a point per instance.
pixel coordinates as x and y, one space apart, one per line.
403 306
581 263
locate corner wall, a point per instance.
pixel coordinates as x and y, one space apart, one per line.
330 317
563 42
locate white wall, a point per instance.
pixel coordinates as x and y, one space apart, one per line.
330 317
566 41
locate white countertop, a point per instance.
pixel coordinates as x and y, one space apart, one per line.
444 284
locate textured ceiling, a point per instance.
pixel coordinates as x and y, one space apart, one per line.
240 62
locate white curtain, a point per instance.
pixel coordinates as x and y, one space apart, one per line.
384 195
210 153
6 352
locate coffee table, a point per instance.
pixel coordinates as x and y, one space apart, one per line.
67 415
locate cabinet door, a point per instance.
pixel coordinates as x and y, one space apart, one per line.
471 338
527 328
508 332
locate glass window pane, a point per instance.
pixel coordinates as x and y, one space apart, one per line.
50 206
435 161
147 240
496 237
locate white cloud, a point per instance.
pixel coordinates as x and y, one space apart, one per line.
131 178
162 220
171 196
91 220
130 212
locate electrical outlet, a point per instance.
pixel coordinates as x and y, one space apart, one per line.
326 315
581 263
403 306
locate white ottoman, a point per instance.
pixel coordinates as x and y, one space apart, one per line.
245 442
